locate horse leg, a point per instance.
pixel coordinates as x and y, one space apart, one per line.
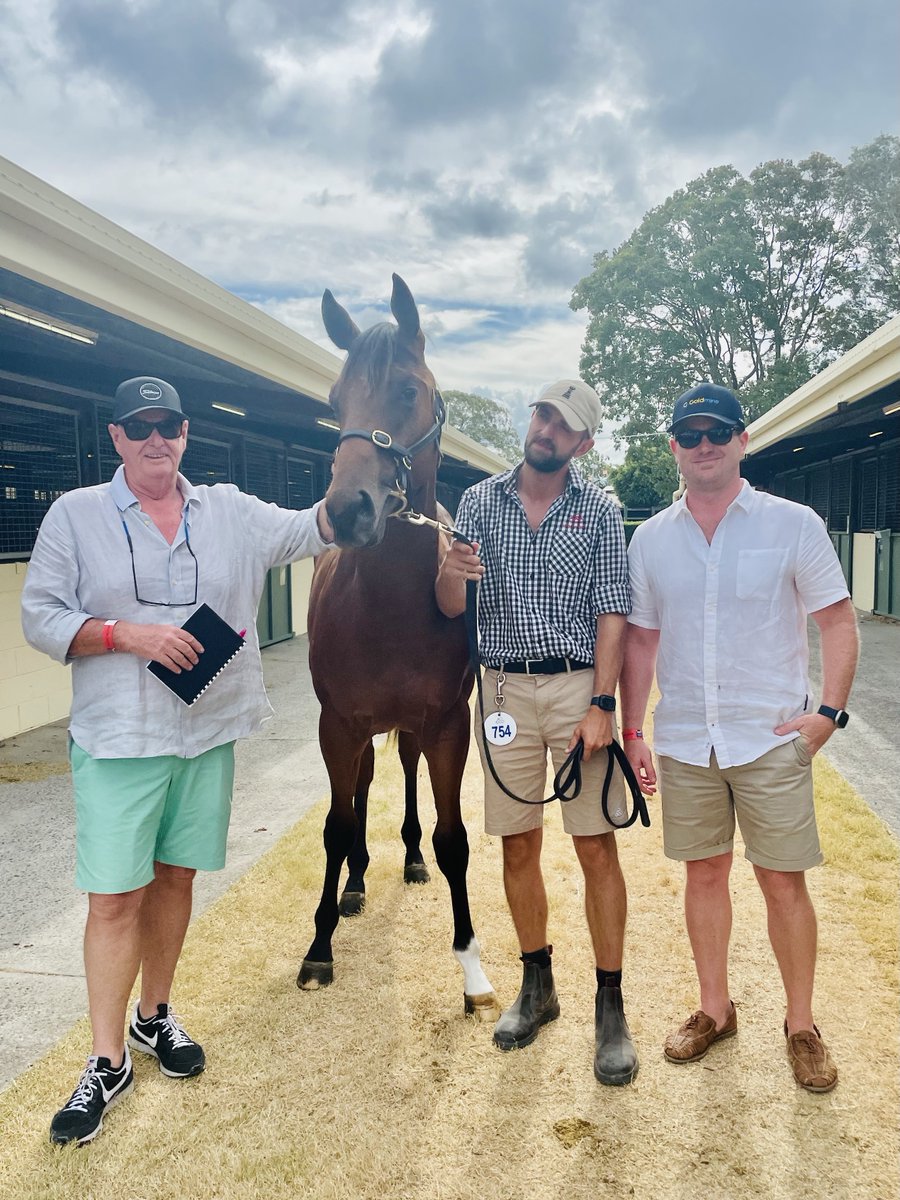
353 897
414 869
445 751
342 753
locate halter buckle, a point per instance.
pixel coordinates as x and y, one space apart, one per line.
382 439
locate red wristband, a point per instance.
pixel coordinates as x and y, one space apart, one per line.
108 628
632 735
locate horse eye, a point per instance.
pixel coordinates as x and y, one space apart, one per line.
409 394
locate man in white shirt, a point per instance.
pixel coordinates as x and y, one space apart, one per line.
116 570
722 582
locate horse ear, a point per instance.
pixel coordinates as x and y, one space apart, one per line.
404 309
339 324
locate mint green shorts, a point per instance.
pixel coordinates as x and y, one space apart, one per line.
132 812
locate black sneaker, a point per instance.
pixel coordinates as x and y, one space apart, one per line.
162 1036
99 1088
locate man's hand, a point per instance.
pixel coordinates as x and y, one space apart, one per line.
595 729
639 755
815 730
460 564
323 521
169 645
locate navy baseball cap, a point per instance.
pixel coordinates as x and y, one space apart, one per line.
143 392
708 400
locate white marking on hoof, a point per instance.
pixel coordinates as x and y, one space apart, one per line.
476 982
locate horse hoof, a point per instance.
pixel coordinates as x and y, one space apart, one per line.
416 872
483 1008
351 904
314 975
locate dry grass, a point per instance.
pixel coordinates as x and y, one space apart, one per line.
378 1087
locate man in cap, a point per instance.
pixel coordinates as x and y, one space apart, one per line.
116 571
549 549
722 582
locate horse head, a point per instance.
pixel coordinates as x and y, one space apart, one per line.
390 415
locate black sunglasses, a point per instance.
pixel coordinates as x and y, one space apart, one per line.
718 435
163 603
137 430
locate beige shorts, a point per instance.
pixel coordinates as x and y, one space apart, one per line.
546 708
771 797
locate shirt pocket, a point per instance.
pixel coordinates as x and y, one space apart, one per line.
569 555
759 573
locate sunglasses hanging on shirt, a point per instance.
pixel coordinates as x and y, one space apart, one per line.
719 435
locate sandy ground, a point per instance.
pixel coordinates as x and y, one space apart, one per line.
379 1087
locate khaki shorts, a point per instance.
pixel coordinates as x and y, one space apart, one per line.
771 797
546 708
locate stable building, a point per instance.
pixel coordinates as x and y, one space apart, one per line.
84 305
834 444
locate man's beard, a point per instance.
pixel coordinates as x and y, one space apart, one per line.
546 465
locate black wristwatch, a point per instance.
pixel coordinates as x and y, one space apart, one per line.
607 703
838 715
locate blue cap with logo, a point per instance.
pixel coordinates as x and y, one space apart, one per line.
708 400
143 392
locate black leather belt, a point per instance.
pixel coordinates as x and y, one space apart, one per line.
544 666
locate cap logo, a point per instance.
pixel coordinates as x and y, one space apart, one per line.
568 392
701 400
150 391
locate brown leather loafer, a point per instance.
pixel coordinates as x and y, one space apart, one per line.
693 1039
811 1063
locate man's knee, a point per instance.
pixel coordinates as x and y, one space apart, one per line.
167 873
114 907
522 850
709 872
597 852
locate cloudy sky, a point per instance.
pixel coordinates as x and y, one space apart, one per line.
484 149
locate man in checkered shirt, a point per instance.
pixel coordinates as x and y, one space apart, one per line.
549 549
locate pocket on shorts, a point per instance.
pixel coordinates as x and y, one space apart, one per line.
802 750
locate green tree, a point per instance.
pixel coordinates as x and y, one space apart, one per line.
648 476
593 466
754 283
485 421
873 186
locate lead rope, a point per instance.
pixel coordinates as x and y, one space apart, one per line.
567 780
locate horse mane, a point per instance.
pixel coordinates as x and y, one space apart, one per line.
372 353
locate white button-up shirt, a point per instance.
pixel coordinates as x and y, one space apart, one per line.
733 655
81 567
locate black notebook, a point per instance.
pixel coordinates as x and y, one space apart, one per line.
220 644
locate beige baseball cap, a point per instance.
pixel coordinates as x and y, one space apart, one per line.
576 400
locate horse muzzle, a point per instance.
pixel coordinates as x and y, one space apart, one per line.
356 520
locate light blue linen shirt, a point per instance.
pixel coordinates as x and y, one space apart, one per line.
81 567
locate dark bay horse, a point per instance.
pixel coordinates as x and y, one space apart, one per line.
382 656
353 897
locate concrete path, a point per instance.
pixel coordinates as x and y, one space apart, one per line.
279 775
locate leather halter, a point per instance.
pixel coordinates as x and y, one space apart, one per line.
402 455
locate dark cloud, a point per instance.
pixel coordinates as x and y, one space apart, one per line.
481 58
561 242
471 213
708 71
182 60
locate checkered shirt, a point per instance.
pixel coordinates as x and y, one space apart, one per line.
542 592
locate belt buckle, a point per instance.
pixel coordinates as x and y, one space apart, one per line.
528 662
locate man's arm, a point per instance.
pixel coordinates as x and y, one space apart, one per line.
840 654
638 667
595 728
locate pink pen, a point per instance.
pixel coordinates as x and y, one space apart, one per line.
242 633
